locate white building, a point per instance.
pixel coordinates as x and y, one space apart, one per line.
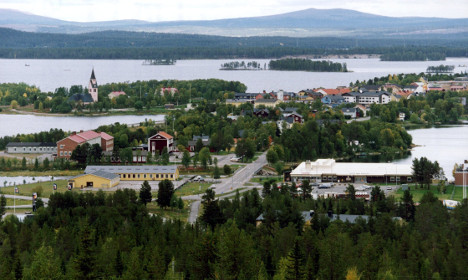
328 170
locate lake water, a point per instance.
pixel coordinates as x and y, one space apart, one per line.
48 74
447 145
19 180
14 124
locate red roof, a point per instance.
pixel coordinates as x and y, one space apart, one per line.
165 135
117 93
334 91
77 139
88 135
106 136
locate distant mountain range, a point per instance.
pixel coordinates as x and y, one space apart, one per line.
305 23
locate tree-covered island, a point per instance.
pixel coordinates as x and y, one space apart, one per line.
302 64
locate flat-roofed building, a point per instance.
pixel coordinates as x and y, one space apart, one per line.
138 172
31 148
328 170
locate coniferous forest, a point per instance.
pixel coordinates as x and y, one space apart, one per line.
99 236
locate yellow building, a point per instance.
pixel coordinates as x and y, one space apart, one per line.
138 172
97 179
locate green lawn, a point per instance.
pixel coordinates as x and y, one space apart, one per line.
192 188
169 213
418 193
11 202
47 188
260 180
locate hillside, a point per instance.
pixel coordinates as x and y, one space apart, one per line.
304 23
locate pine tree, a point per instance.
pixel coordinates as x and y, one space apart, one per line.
145 193
84 262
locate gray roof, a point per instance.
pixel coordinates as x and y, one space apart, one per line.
348 110
99 173
30 144
118 169
266 100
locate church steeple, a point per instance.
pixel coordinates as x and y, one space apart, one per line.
93 87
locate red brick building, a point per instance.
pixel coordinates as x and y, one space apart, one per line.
460 172
160 140
66 146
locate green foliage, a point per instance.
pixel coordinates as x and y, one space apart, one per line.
3 203
186 159
165 192
298 64
145 193
227 169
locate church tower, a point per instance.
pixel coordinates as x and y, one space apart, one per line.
93 87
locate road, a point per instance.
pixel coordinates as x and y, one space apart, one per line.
358 120
236 181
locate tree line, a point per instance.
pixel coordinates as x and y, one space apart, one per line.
296 64
112 236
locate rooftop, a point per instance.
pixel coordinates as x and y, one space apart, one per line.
118 169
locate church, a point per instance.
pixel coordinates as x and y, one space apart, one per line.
91 96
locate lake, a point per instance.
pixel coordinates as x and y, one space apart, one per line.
447 145
49 74
14 124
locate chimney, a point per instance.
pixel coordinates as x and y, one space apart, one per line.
330 214
81 131
73 133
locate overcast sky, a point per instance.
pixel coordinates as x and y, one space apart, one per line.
168 10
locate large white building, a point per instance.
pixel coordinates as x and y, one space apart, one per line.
328 170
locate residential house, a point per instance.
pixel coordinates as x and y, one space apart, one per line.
116 94
333 100
269 103
332 91
461 174
368 97
351 112
157 142
247 96
401 116
31 148
363 109
66 146
168 90
289 119
264 113
205 139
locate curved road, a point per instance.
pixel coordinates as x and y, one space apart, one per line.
236 181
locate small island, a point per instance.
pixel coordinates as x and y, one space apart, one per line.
440 69
236 65
165 61
301 64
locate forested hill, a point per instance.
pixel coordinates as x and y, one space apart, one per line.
144 45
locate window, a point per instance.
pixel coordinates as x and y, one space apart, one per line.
409 179
61 153
392 179
398 179
133 175
61 146
167 176
124 176
138 176
151 175
172 176
157 176
144 176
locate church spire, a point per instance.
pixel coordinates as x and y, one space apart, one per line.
93 77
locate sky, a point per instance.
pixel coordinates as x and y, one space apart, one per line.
164 10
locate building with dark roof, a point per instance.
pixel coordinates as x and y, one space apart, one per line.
96 179
31 148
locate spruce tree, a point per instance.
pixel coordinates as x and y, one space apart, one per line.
145 193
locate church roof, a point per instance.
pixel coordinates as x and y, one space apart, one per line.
93 77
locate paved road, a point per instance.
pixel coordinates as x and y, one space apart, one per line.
230 184
358 120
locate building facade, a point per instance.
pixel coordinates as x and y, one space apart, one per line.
328 170
31 148
138 172
157 142
97 179
66 146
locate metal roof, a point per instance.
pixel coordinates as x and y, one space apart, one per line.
30 144
99 173
119 169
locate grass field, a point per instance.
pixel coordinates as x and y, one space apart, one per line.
47 188
169 213
418 193
192 188
41 173
11 202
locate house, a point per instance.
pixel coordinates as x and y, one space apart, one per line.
160 140
85 98
264 113
333 100
168 90
370 88
93 87
332 91
289 120
138 172
363 109
66 146
401 116
368 97
238 102
247 96
270 103
351 112
205 139
116 94
31 148
96 179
